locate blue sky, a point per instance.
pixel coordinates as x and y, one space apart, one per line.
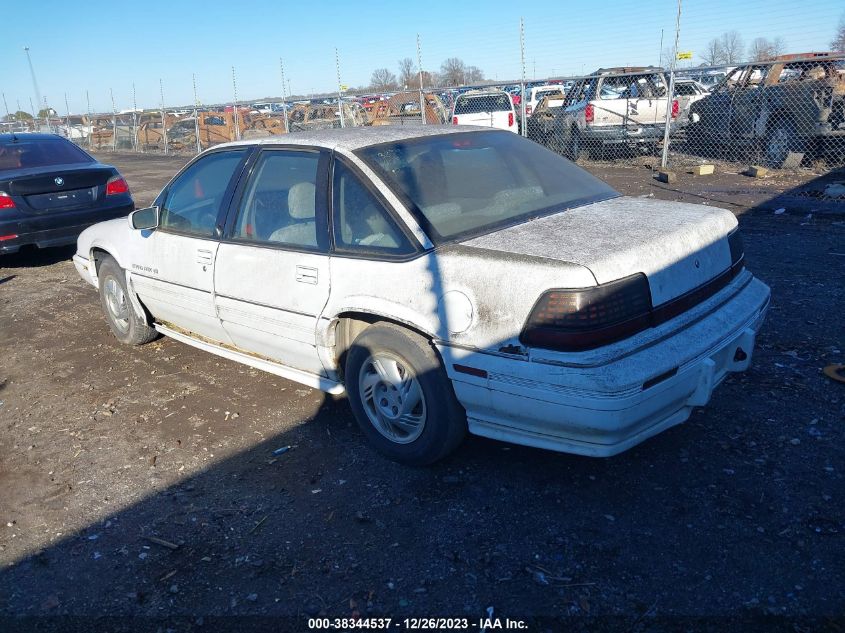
98 45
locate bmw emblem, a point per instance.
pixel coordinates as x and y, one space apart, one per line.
59 181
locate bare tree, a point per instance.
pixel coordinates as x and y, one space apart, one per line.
763 50
383 79
713 53
474 74
453 71
732 47
838 43
666 56
429 80
407 72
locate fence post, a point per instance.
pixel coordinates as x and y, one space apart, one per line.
113 122
235 106
284 96
134 119
671 94
163 117
419 67
6 105
196 114
339 90
523 122
90 122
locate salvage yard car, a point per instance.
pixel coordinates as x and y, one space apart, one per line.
50 190
615 107
448 279
489 107
794 104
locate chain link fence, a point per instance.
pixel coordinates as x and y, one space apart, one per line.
780 114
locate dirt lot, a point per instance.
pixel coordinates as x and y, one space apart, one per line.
736 514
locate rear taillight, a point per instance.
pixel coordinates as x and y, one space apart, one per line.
510 119
6 201
676 108
3 238
116 185
528 110
737 249
454 120
589 113
586 318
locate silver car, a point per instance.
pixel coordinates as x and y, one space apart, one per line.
448 279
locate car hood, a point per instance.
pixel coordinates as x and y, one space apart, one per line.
678 246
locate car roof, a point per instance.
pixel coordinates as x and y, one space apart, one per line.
626 70
353 138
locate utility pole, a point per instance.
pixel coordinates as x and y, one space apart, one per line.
339 88
5 105
419 67
671 96
284 96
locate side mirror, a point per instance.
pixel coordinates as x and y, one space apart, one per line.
141 219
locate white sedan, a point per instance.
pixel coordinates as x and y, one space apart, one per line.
447 279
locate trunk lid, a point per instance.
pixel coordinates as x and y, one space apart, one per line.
57 187
678 246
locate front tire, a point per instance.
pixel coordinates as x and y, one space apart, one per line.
782 139
125 324
401 396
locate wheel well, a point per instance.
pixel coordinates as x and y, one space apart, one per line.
350 325
98 255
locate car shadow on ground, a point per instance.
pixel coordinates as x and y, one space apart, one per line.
31 257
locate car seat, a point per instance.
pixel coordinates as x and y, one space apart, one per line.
301 207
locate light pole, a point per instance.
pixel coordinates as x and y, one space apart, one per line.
34 80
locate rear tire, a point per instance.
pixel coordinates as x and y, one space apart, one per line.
401 396
125 324
782 139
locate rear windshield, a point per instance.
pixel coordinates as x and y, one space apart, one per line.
24 153
685 90
466 184
482 103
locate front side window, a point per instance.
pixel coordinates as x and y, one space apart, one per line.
280 202
360 221
193 201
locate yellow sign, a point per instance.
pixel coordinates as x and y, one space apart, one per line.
344 88
684 54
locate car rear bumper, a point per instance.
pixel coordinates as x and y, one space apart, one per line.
603 409
616 134
60 230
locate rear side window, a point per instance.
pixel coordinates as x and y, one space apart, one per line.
25 154
482 103
192 201
360 221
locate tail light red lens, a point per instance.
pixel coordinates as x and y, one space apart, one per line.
589 113
454 120
528 110
510 119
585 318
676 108
6 201
116 185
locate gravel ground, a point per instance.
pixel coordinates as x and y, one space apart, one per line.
142 482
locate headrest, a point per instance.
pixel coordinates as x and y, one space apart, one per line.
301 201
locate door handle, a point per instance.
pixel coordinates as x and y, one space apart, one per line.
306 275
204 256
